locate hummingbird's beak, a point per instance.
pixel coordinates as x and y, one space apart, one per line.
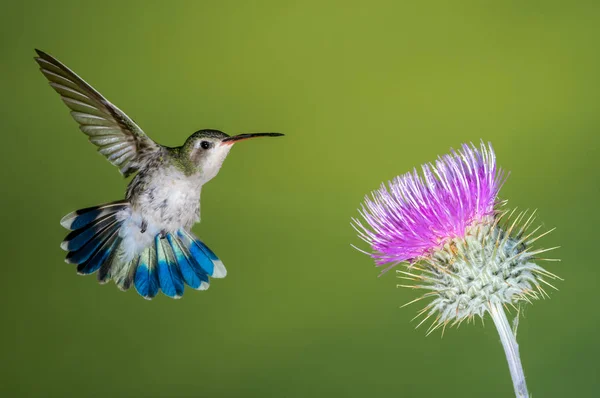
240 137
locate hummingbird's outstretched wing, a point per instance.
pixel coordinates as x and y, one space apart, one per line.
117 136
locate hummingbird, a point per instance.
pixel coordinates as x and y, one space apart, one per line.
144 240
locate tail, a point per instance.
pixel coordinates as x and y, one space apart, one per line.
97 243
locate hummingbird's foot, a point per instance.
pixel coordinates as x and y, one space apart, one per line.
144 226
163 234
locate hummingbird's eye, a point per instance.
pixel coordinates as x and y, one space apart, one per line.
205 144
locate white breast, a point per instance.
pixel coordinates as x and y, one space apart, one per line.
170 201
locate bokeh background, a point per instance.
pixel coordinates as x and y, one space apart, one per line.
363 91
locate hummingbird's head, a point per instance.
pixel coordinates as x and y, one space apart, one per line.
207 149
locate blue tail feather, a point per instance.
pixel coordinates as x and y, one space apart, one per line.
192 274
169 276
176 274
81 218
76 239
197 254
100 256
213 257
146 276
85 252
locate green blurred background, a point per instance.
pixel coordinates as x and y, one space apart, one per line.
363 91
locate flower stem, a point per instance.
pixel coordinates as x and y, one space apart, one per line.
511 348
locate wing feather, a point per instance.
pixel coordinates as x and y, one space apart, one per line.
116 135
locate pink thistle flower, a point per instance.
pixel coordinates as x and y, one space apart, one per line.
469 256
415 214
